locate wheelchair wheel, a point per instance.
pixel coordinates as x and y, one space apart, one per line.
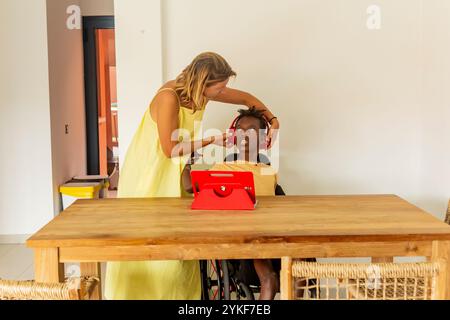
225 280
204 276
219 282
230 284
212 273
241 290
244 292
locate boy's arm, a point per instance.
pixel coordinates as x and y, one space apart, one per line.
279 191
186 181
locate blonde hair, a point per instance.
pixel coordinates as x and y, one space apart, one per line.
207 69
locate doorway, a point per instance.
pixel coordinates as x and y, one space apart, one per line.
101 97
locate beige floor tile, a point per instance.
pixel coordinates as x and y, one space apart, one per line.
15 262
4 249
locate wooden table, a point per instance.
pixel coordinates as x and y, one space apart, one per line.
379 226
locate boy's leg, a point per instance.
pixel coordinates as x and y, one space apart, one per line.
268 279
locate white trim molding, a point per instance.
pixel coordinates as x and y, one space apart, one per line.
14 238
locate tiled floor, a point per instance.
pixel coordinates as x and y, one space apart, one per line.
16 262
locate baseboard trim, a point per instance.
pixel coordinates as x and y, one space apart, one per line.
14 238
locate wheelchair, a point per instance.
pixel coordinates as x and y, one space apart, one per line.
234 279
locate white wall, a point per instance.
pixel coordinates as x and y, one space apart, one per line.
361 111
139 63
348 98
97 7
66 69
371 107
435 113
26 190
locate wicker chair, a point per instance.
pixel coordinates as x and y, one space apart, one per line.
72 289
388 281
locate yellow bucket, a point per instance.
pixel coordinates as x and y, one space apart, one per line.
103 180
81 190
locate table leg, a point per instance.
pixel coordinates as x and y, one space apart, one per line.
286 279
441 255
93 269
47 268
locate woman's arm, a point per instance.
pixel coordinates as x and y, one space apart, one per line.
167 121
238 97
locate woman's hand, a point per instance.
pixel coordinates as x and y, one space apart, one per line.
273 133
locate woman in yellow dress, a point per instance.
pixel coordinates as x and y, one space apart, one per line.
167 136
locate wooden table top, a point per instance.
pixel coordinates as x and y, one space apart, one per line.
290 219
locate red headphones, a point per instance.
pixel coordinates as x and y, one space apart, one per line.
232 140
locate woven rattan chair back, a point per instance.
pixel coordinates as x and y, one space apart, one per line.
72 289
387 281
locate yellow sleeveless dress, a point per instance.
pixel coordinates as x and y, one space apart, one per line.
147 172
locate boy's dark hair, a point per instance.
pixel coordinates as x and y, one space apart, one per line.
253 113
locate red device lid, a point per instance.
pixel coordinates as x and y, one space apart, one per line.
223 182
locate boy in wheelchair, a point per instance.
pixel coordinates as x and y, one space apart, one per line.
249 123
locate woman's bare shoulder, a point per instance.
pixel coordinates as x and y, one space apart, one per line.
167 93
167 99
